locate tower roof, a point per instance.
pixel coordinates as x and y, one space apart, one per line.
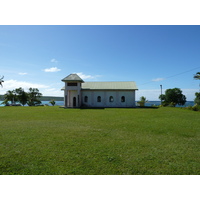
73 78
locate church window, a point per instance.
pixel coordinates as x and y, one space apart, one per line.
98 99
111 99
71 84
123 99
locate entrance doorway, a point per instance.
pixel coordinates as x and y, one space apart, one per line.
74 102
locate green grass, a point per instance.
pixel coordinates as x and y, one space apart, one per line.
51 140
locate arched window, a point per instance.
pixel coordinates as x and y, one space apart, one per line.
86 99
98 99
123 99
111 99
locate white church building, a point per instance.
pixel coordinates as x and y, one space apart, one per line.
78 93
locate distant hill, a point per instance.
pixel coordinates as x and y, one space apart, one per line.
49 98
44 98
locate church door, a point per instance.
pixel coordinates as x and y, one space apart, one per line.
74 102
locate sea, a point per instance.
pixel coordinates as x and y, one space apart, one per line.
157 103
149 103
58 103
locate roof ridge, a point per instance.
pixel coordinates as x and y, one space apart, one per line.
72 77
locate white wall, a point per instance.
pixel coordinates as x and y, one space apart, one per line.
92 98
71 92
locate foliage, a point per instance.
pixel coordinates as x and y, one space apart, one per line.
51 140
52 102
34 97
22 96
10 96
142 101
197 94
194 108
197 76
197 98
172 97
19 95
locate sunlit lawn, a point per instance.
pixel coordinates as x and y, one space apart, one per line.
52 140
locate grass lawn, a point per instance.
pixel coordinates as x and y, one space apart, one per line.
52 140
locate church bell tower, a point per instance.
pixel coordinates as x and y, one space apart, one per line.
72 91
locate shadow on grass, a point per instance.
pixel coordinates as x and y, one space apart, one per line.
137 107
151 107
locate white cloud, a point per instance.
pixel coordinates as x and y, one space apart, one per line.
13 84
44 89
189 93
84 76
52 92
54 60
52 69
158 79
21 73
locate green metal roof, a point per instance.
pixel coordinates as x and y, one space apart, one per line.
73 78
131 85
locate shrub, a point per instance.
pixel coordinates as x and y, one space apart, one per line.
196 107
142 101
197 99
52 102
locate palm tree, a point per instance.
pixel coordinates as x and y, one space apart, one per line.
197 76
142 101
21 95
34 97
10 96
52 102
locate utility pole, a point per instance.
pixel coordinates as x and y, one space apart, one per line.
161 95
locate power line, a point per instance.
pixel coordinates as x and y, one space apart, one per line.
173 75
182 73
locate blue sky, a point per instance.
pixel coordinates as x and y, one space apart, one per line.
40 56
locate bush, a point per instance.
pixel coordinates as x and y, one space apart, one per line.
142 101
196 107
52 102
197 99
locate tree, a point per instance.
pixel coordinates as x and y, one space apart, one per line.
33 97
1 81
22 96
52 102
10 96
197 99
173 97
19 95
142 101
197 76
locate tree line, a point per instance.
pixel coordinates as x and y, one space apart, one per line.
31 98
173 97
